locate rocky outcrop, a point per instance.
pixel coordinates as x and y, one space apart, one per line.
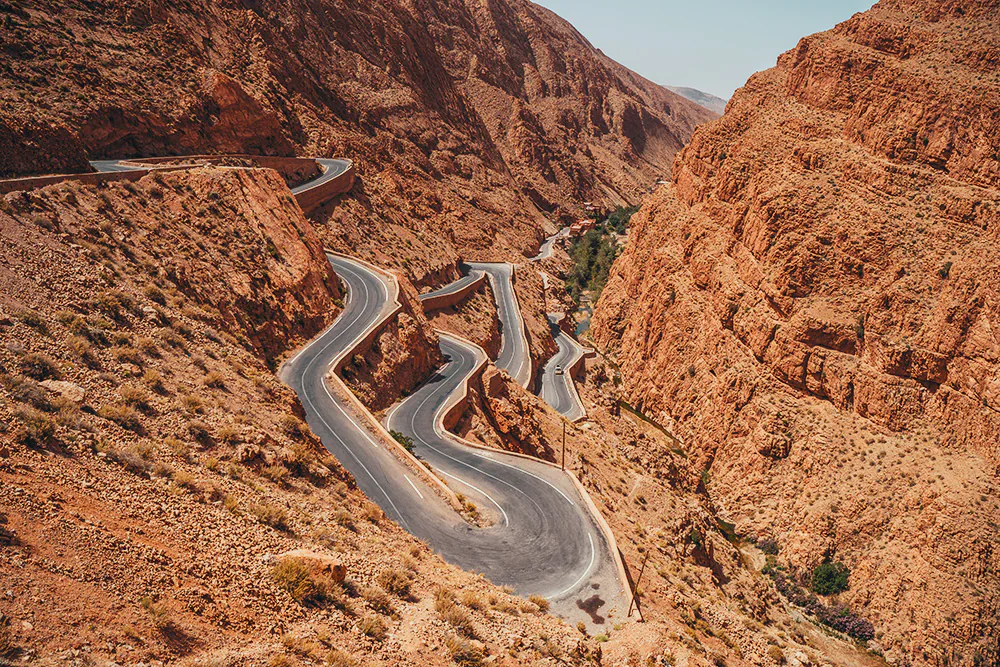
810 306
400 358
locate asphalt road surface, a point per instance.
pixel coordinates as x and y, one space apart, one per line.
543 540
332 168
105 166
514 356
545 251
558 389
456 286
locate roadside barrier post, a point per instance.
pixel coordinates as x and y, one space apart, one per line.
564 445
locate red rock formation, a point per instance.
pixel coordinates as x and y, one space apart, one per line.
812 304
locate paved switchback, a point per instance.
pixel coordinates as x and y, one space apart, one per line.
543 540
514 356
558 388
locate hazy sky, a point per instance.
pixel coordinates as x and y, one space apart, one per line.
711 45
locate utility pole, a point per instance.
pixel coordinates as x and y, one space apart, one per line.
635 589
564 445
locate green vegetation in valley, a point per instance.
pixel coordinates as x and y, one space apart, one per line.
594 253
829 578
618 219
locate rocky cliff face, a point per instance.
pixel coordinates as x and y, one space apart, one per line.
812 306
470 121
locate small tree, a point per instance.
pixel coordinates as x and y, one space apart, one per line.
829 578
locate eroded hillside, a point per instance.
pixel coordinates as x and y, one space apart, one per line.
811 307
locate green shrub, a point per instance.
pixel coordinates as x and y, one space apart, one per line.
769 547
405 440
829 578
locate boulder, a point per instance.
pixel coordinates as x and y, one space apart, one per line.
68 390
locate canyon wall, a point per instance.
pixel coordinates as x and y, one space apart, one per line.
811 305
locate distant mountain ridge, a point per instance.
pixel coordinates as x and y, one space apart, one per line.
701 98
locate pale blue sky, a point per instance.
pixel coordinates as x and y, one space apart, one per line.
711 45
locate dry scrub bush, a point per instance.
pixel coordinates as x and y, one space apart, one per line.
306 587
337 658
154 380
185 480
132 461
158 612
215 380
199 431
39 366
377 599
7 645
26 390
472 600
395 581
277 474
463 652
123 415
374 627
82 348
134 396
37 428
540 602
451 613
229 434
271 515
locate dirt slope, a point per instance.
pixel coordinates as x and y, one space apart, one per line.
811 305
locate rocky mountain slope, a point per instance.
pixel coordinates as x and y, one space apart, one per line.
154 473
811 307
711 102
471 122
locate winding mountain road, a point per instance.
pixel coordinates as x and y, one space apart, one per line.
514 356
558 388
453 287
332 168
543 540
